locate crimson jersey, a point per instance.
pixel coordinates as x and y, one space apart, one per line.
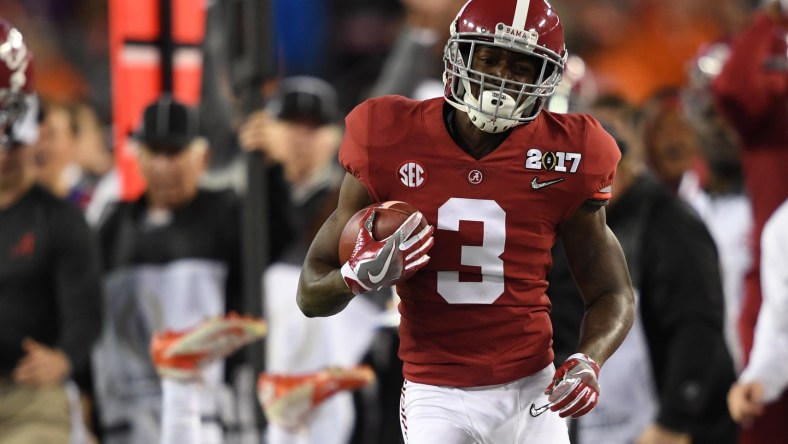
477 313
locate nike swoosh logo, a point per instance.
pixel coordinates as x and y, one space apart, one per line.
375 278
536 411
535 184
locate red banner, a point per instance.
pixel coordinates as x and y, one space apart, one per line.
139 41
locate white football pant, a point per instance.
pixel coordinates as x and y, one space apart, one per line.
499 414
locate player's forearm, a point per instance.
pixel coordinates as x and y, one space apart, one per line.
600 272
322 290
606 323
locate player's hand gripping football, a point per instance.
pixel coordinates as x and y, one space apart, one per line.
377 264
575 389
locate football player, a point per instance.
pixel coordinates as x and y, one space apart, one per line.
498 179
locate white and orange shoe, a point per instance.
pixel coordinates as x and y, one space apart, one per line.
289 400
180 354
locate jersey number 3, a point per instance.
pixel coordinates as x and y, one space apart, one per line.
485 256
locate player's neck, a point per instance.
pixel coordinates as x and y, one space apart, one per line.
471 139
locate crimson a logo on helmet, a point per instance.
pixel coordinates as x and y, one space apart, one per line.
412 175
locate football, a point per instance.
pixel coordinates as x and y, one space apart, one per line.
389 216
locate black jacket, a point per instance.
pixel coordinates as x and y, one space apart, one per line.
50 279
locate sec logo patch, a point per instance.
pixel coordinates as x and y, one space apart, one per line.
412 175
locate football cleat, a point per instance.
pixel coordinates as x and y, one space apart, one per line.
180 355
289 400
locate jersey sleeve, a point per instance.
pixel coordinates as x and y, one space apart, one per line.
354 151
603 156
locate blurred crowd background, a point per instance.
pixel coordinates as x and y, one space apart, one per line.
643 67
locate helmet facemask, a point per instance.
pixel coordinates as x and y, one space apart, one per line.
11 110
499 104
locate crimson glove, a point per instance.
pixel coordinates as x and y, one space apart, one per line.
377 264
575 389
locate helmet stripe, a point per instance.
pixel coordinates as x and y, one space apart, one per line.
520 14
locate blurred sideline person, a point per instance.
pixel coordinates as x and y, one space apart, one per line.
57 154
497 181
55 151
71 155
300 130
751 92
766 377
172 260
694 153
721 200
49 275
666 382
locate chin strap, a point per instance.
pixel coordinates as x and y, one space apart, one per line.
486 112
